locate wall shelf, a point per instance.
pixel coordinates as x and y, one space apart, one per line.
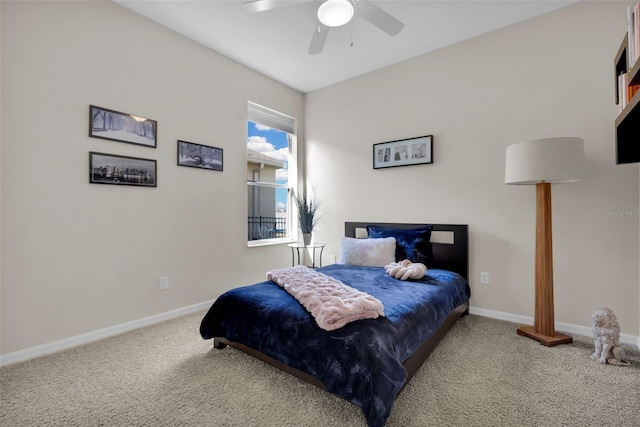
628 121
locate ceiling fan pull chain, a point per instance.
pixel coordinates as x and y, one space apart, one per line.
351 33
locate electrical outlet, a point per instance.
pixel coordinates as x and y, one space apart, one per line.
333 259
484 278
164 283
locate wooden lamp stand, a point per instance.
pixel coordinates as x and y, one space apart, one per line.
543 328
544 162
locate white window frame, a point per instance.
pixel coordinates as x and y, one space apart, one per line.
274 119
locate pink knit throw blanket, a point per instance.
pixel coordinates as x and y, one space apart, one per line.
332 303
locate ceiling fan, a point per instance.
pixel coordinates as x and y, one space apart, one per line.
335 13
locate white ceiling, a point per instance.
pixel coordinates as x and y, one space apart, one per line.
275 42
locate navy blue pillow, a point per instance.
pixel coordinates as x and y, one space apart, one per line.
412 244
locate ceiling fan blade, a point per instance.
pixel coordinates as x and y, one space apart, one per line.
252 6
318 39
378 17
262 5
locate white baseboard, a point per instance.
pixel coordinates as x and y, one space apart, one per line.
55 346
568 328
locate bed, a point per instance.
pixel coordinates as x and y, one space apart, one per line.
367 362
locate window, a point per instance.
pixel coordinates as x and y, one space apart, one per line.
271 172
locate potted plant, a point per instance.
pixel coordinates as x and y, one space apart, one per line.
307 214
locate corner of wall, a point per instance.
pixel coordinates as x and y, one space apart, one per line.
1 181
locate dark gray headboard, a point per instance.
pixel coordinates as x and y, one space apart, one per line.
449 243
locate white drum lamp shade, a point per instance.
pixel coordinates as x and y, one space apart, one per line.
552 160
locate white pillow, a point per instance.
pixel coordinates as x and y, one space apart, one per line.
368 252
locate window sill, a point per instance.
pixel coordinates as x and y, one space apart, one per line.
268 242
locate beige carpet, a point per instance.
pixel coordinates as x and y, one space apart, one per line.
481 374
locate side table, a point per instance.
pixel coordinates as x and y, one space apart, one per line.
295 249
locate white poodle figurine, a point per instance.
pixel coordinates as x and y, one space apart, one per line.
606 338
406 270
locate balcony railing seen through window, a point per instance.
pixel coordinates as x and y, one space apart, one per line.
266 227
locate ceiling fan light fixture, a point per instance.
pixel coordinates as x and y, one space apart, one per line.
335 13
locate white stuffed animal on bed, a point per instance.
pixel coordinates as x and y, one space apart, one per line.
406 270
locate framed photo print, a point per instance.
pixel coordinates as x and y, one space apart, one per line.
403 152
122 170
122 127
199 156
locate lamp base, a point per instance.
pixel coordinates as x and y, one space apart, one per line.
529 331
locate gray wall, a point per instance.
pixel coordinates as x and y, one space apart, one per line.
546 77
78 257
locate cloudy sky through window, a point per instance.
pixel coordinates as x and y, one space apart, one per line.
272 143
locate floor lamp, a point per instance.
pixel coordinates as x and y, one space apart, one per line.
544 162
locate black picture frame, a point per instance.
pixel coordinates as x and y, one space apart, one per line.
122 170
200 156
122 127
403 152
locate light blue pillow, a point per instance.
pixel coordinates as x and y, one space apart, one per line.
367 252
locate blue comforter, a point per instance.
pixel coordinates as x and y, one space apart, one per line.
360 362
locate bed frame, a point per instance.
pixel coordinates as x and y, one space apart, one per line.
450 252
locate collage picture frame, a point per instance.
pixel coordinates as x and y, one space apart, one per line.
403 152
